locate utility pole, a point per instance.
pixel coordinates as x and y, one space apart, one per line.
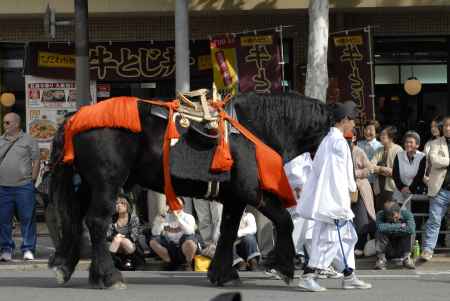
82 81
182 74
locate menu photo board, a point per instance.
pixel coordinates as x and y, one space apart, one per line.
47 103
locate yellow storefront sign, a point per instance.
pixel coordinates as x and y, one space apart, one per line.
55 60
354 40
256 40
204 62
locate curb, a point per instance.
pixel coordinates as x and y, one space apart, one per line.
364 264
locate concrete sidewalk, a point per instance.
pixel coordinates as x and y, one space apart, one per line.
45 248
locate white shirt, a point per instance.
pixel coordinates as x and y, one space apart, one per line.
326 193
174 227
247 226
408 170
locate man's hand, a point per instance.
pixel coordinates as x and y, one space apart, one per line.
386 171
405 190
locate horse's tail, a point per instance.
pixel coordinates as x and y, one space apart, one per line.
63 200
62 189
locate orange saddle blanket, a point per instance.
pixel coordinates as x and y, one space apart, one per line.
116 112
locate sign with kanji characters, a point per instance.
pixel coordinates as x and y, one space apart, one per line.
116 61
247 63
259 63
353 59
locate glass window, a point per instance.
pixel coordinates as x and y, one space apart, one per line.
386 74
427 74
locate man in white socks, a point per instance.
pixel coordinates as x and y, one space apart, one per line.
326 200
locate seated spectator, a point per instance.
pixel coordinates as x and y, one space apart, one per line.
245 250
409 166
123 234
384 161
395 229
173 238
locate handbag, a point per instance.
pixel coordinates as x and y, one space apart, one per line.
201 263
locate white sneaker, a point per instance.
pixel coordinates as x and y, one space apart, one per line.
307 283
329 273
272 273
352 282
28 255
6 256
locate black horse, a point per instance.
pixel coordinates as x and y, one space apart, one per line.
109 158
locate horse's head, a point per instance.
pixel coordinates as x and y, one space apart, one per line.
288 122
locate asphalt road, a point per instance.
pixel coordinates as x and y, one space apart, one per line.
184 286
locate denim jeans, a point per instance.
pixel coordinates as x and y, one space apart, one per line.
245 248
438 209
21 198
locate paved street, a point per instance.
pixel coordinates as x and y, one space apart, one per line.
25 281
161 286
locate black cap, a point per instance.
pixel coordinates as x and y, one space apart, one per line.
345 109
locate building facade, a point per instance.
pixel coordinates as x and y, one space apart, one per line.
409 37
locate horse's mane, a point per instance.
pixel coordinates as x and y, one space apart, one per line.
288 122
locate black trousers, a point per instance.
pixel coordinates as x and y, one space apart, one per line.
393 246
364 225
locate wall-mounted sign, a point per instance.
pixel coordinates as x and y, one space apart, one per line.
117 61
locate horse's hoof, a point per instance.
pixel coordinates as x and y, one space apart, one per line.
285 278
59 275
97 285
222 278
119 286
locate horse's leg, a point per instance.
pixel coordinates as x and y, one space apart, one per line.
281 257
71 213
221 269
102 272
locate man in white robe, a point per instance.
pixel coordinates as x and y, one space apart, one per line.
326 201
297 170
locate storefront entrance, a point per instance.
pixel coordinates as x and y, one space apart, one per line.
397 59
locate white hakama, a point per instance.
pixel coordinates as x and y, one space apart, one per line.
326 248
325 199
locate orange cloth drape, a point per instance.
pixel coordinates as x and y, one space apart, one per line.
116 112
171 133
270 164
